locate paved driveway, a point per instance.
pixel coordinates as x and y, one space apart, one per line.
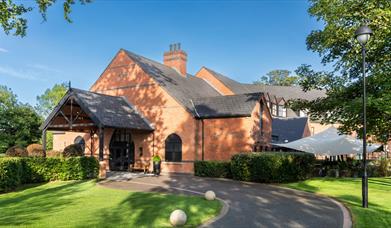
249 204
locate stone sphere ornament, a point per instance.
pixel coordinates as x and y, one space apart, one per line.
178 218
210 195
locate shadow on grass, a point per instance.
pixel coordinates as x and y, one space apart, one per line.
29 204
153 209
384 182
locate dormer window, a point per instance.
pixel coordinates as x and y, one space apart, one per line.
281 111
274 110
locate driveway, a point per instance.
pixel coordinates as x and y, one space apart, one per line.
248 204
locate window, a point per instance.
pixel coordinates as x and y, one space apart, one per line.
79 140
173 148
281 111
274 110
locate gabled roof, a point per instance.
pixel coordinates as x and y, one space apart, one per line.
290 129
240 105
104 110
287 92
234 86
182 89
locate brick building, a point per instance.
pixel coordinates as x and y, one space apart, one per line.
139 107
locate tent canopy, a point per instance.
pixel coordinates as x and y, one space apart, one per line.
330 143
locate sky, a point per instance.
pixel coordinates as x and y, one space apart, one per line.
241 39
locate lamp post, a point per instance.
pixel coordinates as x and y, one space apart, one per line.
362 34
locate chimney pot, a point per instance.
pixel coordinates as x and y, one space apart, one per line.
176 58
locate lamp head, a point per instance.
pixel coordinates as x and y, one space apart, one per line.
362 34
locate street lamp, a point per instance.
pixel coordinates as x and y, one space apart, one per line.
362 34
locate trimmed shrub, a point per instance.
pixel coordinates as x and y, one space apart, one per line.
35 150
16 151
11 170
353 168
73 150
17 171
212 169
383 167
272 167
53 153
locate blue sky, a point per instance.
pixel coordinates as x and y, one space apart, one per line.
241 39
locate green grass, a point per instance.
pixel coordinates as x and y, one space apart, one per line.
348 190
85 204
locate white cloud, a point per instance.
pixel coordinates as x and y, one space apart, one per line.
19 73
42 67
3 50
35 72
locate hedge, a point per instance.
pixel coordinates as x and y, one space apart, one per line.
353 168
17 171
272 167
212 169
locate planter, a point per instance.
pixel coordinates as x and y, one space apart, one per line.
156 167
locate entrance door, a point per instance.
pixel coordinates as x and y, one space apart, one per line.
121 150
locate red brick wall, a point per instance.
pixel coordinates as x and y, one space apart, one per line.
163 111
229 136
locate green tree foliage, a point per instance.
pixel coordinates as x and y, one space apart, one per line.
337 46
278 77
47 101
12 14
19 123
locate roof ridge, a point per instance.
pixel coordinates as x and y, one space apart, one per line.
154 61
88 91
231 95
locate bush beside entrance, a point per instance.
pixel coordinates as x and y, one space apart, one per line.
220 169
272 167
17 171
264 167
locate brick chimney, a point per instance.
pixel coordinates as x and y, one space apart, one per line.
176 58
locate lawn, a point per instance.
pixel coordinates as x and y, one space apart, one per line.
85 204
348 190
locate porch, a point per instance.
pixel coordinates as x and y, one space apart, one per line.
110 122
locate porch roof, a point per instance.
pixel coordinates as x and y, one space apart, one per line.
83 110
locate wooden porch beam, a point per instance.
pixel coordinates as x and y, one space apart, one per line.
101 143
44 142
74 125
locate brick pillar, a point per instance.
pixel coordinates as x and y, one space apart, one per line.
102 169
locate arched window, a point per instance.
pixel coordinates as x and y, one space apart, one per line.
173 148
79 140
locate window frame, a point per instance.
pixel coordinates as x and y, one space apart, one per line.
282 112
173 148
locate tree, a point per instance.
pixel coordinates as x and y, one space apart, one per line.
337 46
11 14
278 77
47 101
19 123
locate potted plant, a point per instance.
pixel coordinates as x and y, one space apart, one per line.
156 164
